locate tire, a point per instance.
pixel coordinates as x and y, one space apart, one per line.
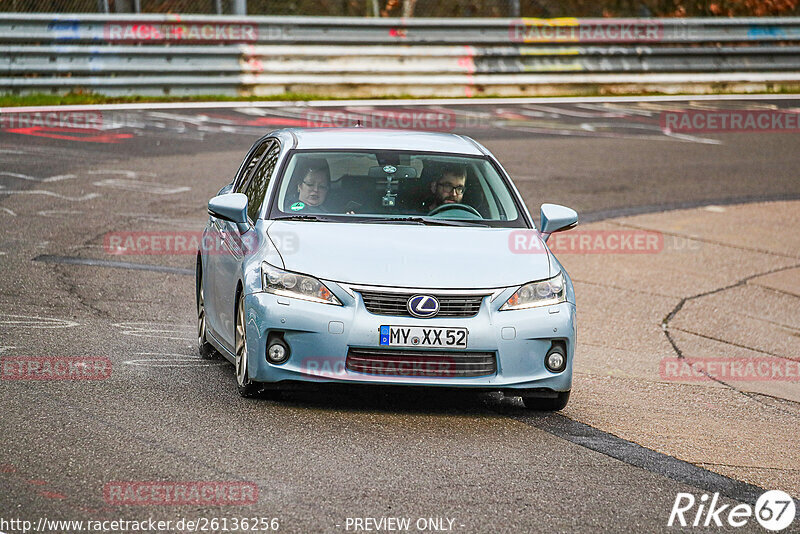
206 349
540 404
247 388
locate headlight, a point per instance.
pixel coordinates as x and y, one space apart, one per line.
295 285
542 293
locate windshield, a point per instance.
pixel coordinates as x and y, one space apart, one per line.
394 187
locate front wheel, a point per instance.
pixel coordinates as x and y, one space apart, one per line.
540 404
246 387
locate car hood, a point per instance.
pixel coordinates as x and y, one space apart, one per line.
402 255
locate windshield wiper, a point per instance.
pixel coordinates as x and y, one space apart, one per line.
428 221
304 218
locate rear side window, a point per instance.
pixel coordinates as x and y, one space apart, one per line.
257 185
250 165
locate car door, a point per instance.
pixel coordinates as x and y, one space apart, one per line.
235 243
214 242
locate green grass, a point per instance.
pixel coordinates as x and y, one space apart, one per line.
41 99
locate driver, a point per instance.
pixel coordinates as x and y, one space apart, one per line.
312 190
448 188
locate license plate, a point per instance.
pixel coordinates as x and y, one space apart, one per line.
424 336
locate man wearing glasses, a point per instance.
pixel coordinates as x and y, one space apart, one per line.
448 188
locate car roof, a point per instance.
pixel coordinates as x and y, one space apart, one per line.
376 139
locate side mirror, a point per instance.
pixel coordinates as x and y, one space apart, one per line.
554 218
230 207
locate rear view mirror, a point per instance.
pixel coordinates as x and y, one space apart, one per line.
554 218
396 171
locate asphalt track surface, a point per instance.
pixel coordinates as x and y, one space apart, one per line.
322 456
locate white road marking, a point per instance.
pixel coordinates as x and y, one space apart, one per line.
583 133
625 111
49 193
172 360
155 330
20 176
125 173
692 138
59 177
6 348
154 188
175 223
33 321
58 213
34 179
10 212
256 112
574 113
402 102
191 119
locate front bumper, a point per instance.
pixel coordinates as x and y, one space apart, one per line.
320 335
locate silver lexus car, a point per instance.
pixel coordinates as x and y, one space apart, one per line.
365 256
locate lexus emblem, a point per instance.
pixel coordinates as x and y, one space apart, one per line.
423 306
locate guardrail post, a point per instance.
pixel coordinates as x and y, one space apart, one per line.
239 7
102 6
513 9
123 6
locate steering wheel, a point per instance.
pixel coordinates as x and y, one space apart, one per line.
455 206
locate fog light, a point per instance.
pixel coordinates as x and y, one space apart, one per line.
277 350
556 358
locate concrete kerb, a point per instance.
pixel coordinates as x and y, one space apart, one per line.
687 352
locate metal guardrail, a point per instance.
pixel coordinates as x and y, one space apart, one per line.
160 54
199 28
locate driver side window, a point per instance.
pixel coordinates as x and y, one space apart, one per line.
256 187
247 170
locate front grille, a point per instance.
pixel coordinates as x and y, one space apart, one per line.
382 303
442 364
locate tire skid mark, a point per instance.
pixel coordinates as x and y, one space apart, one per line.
636 455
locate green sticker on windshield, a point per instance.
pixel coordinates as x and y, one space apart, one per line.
297 206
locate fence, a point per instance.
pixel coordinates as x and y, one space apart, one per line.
158 54
420 8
